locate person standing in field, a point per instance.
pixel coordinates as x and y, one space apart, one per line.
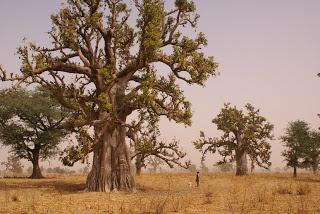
197 179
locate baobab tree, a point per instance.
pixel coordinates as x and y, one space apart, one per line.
145 143
244 134
105 64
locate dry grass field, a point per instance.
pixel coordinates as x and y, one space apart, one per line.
167 193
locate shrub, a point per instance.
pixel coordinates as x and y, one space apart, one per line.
284 189
303 189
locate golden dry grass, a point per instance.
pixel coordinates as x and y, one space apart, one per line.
167 193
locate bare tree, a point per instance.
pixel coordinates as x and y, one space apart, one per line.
155 163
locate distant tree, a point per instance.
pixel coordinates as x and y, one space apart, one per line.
311 154
29 170
13 164
192 168
155 163
285 168
296 140
244 134
31 125
85 170
60 170
146 145
203 167
225 167
103 63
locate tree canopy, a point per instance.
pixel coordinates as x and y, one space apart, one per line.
302 149
311 154
31 125
244 133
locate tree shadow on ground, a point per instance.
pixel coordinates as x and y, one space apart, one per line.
63 187
310 180
301 178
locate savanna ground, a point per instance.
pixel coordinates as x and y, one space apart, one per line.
167 193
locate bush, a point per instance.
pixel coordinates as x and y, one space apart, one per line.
284 189
303 189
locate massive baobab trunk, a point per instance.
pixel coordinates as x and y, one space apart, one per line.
111 160
241 163
111 163
36 171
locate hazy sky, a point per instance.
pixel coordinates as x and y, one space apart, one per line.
268 52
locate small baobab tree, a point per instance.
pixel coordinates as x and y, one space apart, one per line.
244 134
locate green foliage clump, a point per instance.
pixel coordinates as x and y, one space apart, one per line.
31 124
302 146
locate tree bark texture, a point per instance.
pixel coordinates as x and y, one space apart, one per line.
111 163
36 171
111 160
241 163
294 171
